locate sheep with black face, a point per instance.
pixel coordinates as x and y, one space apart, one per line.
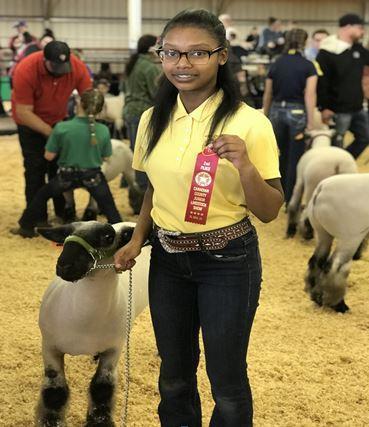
85 313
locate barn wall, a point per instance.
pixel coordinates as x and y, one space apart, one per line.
100 25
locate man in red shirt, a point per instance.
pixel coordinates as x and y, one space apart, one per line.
42 85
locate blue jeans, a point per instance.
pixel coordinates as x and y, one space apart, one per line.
36 168
288 123
189 290
132 127
358 124
92 180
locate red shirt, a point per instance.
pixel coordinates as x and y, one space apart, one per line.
34 85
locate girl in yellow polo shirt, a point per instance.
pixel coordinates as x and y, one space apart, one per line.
210 160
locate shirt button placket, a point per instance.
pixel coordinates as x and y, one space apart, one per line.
186 138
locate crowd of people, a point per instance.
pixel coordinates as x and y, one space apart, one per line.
205 159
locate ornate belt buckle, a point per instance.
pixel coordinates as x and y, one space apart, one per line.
162 236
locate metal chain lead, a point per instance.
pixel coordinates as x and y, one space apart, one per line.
127 361
101 267
127 364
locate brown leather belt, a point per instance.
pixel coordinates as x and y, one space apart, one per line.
173 241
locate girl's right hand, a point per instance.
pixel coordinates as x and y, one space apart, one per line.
124 258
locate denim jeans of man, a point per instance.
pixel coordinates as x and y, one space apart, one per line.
217 291
358 124
93 180
132 127
36 168
288 123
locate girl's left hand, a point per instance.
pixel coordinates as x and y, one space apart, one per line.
232 148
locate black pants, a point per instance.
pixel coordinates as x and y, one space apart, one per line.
217 292
36 167
93 180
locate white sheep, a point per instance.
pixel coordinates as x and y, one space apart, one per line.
120 162
338 209
86 314
113 112
315 165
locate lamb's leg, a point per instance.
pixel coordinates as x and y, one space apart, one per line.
102 389
305 227
54 392
70 207
293 208
317 262
91 210
334 276
361 248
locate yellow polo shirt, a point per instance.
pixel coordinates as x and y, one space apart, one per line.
171 164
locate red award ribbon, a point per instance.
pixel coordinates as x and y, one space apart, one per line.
201 186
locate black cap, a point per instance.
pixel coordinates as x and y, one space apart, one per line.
58 53
350 19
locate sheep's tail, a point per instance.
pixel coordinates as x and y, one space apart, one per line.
297 194
312 203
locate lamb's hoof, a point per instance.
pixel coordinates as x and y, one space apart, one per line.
99 421
69 215
357 256
26 233
308 234
341 307
123 182
307 230
89 215
135 200
291 230
51 420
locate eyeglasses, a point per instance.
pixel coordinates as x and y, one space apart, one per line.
194 57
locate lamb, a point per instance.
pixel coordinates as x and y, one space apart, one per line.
119 162
315 165
86 314
114 111
339 209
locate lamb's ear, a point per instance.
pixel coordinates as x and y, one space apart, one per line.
125 236
56 234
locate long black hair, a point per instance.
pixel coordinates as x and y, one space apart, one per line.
143 45
166 95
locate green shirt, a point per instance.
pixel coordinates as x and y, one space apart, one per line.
140 86
71 140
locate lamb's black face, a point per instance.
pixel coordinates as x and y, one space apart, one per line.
74 262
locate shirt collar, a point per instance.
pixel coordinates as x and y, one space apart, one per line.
42 67
203 111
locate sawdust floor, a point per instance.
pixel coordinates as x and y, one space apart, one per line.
307 366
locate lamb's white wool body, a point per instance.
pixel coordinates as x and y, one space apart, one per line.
89 316
113 111
85 312
315 165
338 209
